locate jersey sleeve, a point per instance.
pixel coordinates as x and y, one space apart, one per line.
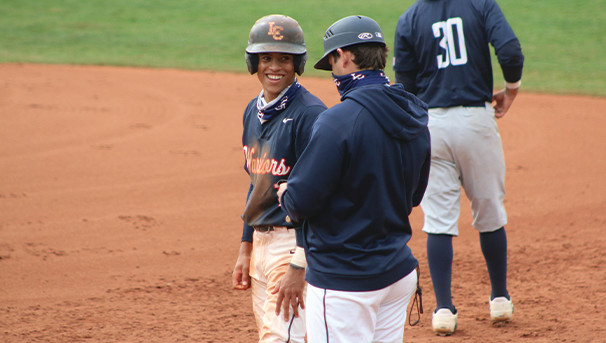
423 180
404 60
408 80
511 60
247 233
248 112
247 230
317 172
498 30
503 39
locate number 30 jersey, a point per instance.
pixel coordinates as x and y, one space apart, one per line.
446 44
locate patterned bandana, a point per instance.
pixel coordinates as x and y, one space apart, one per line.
360 78
274 107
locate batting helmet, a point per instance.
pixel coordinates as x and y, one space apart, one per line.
276 33
348 31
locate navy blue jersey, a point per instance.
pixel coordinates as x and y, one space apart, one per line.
365 168
445 45
271 150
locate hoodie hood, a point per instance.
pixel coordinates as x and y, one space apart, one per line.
401 115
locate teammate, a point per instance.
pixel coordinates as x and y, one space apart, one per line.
442 55
365 168
277 127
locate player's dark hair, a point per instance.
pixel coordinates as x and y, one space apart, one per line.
367 56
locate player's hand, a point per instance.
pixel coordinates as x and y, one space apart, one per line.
502 101
290 292
240 277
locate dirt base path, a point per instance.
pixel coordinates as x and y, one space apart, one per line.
121 190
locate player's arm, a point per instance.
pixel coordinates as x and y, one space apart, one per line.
408 80
240 275
404 62
509 54
511 60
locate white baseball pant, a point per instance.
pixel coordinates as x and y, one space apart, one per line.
361 317
466 151
270 258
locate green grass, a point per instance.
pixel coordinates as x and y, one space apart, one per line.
563 41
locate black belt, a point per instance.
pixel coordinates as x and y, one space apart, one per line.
476 104
267 228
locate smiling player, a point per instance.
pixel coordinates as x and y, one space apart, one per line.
277 127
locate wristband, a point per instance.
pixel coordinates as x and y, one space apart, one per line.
513 85
298 259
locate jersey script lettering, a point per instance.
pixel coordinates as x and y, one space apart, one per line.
264 165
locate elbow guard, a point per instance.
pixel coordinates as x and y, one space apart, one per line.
511 60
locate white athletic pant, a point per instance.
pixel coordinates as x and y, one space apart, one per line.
466 151
269 261
359 317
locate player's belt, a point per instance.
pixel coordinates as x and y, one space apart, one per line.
267 228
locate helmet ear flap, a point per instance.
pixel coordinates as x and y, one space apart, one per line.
299 63
252 62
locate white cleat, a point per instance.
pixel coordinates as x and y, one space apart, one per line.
444 322
501 310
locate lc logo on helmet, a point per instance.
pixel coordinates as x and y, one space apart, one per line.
365 35
275 31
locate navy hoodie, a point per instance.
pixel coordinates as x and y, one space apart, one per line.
365 168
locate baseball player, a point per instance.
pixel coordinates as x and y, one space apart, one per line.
277 127
442 54
364 169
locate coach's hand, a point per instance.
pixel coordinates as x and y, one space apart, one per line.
281 189
240 278
290 292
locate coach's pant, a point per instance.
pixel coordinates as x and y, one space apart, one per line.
270 259
360 317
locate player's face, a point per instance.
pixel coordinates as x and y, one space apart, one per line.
337 63
276 71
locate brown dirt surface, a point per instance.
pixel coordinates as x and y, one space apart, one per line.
121 191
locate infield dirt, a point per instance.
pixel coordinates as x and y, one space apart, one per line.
121 191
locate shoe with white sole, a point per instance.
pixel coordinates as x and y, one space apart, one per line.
501 309
444 322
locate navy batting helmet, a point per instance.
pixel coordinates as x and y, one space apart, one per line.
348 31
276 33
